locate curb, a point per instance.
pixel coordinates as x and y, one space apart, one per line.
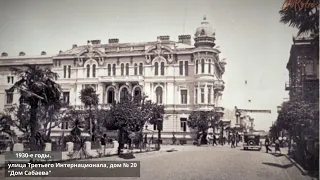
303 171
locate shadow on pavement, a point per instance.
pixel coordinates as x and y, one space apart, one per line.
127 156
250 150
277 154
171 150
278 165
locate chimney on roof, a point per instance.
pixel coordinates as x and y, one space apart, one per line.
22 53
43 53
74 46
60 52
185 39
113 41
4 54
96 41
164 38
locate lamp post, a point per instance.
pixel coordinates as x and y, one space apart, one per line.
237 114
159 124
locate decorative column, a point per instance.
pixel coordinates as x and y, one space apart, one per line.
100 92
206 93
199 93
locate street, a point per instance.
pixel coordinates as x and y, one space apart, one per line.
205 163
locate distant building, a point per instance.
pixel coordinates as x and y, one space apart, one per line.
182 76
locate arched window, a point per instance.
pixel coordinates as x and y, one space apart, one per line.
197 66
124 94
94 70
110 96
159 95
162 68
122 69
127 69
156 68
202 65
114 69
137 94
140 69
88 70
109 69
209 67
135 69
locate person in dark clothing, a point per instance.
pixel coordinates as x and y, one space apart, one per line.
214 140
233 141
103 143
267 144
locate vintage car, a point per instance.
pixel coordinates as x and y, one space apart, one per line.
252 141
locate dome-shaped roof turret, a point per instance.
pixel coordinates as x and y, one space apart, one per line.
205 35
205 29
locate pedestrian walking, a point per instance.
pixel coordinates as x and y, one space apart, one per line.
277 146
214 140
233 141
267 144
103 144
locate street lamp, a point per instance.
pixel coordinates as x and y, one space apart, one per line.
238 114
159 124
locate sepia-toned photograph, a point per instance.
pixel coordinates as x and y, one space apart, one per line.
159 90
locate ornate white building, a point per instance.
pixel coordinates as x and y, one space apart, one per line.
179 75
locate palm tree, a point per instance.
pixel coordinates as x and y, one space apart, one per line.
305 19
37 89
89 98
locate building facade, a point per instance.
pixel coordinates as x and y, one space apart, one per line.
303 67
182 76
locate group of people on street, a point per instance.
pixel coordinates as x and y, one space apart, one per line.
267 144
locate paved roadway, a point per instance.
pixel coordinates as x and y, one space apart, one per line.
204 163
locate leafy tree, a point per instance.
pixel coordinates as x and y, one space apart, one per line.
130 115
297 113
37 89
90 99
5 126
305 18
202 121
77 123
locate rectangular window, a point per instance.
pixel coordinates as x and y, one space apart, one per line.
55 63
69 71
59 62
202 95
64 125
184 96
209 95
66 97
114 69
64 71
183 124
155 127
10 79
9 96
180 68
186 68
309 68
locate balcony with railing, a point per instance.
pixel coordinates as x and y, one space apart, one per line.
287 86
119 78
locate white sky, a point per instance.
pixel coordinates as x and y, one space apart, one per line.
251 38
